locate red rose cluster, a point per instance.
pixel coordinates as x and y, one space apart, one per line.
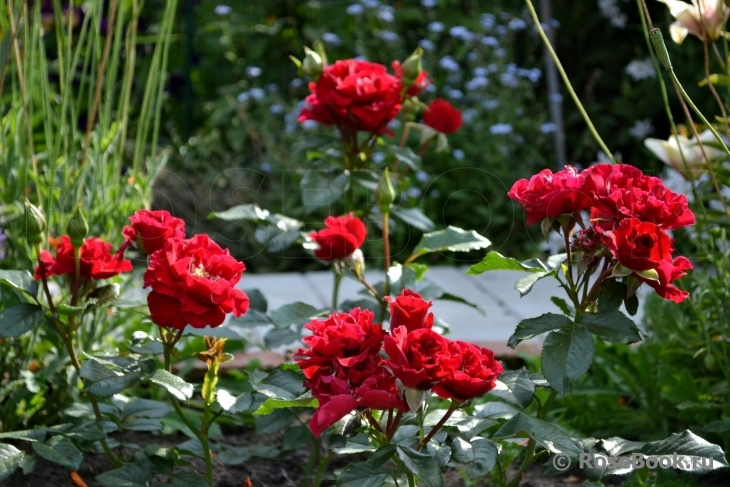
358 95
96 260
344 368
193 280
629 211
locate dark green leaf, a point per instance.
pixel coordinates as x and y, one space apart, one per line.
611 295
470 427
275 422
362 475
241 403
174 385
19 280
524 285
462 451
10 458
276 338
102 381
381 456
256 300
189 479
686 444
60 450
564 307
451 239
515 387
144 344
251 319
129 476
368 304
485 457
223 331
424 466
16 320
25 435
296 437
271 405
322 188
537 326
294 314
494 261
632 304
415 218
241 212
289 380
143 424
613 326
406 156
546 434
566 354
145 408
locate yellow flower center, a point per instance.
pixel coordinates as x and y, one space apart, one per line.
199 271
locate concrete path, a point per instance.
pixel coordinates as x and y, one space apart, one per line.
493 291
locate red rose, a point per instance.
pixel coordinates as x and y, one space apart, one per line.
342 340
442 116
409 310
550 195
151 229
474 377
623 191
97 260
193 283
669 271
418 85
640 246
420 358
342 236
354 95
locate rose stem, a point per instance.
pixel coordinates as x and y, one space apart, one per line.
202 435
336 290
454 405
394 425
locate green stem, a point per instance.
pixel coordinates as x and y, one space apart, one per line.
526 463
569 87
336 290
206 446
411 479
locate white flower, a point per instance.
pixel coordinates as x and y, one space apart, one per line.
702 18
639 69
669 152
641 129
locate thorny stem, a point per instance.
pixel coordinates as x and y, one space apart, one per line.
566 80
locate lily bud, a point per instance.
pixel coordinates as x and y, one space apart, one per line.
313 64
35 224
412 67
78 228
384 193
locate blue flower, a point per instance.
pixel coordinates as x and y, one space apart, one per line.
355 9
427 45
332 39
428 3
253 71
458 154
414 192
243 97
276 109
370 3
271 87
548 128
501 30
490 41
296 83
490 104
472 56
499 52
435 27
468 115
487 21
462 33
266 167
422 176
509 80
517 24
476 83
455 94
223 10
257 93
500 129
555 98
309 125
493 68
477 72
377 157
449 64
387 36
386 14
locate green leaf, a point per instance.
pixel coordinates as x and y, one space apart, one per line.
546 434
60 450
144 344
275 422
241 403
241 212
533 327
143 424
364 303
102 381
424 466
294 314
174 385
289 380
322 188
256 300
613 326
494 261
297 437
129 476
362 475
251 319
25 435
223 331
19 319
415 218
277 338
10 458
564 307
19 280
189 479
271 404
406 156
470 427
381 456
515 387
686 444
451 239
566 354
462 450
632 304
524 285
485 457
611 295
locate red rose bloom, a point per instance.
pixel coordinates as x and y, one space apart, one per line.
669 271
640 246
151 229
97 260
474 377
342 340
354 95
193 283
342 236
409 310
442 116
623 191
420 358
550 195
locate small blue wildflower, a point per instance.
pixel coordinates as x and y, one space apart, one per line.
500 53
490 104
309 125
449 64
414 192
370 3
387 36
243 97
422 176
468 115
500 129
377 157
455 94
257 93
516 24
253 71
271 87
428 3
548 128
331 39
458 154
555 98
427 45
487 21
509 80
266 167
276 109
462 33
476 83
436 27
355 9
386 14
223 10
296 83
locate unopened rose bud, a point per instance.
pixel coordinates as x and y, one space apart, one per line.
35 224
384 193
313 64
356 262
412 67
78 228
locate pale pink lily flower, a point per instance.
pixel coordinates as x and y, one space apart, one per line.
704 19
